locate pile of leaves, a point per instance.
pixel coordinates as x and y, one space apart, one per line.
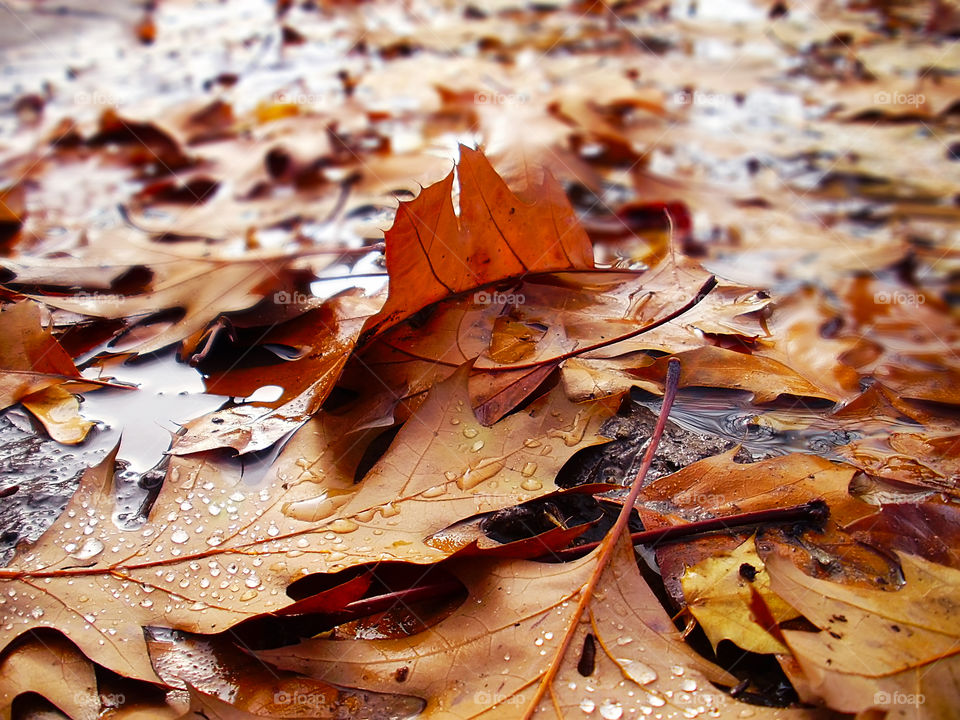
408 526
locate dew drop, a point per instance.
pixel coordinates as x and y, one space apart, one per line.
611 711
179 536
248 595
273 530
435 491
477 446
147 602
483 470
252 582
531 443
657 701
587 705
637 671
91 548
342 525
531 484
470 432
529 469
688 685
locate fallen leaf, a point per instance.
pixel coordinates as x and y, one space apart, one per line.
50 665
215 551
59 411
721 593
432 252
877 649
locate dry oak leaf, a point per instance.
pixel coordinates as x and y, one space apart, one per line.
895 651
722 598
487 659
433 253
218 548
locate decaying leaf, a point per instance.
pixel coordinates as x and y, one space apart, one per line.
895 651
723 591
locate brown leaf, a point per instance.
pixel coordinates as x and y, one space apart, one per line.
432 253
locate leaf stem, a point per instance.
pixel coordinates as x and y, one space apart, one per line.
609 542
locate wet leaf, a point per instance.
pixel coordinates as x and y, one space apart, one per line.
876 648
722 592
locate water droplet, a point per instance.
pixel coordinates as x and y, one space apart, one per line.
252 582
639 672
548 635
237 497
531 484
477 446
611 710
587 705
657 701
484 470
677 670
214 509
454 421
531 443
316 508
248 595
342 525
435 491
146 602
688 685
470 432
36 613
538 641
529 469
273 530
179 536
624 640
91 548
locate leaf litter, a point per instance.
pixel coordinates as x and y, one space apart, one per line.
741 192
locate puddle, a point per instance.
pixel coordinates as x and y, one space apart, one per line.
143 420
